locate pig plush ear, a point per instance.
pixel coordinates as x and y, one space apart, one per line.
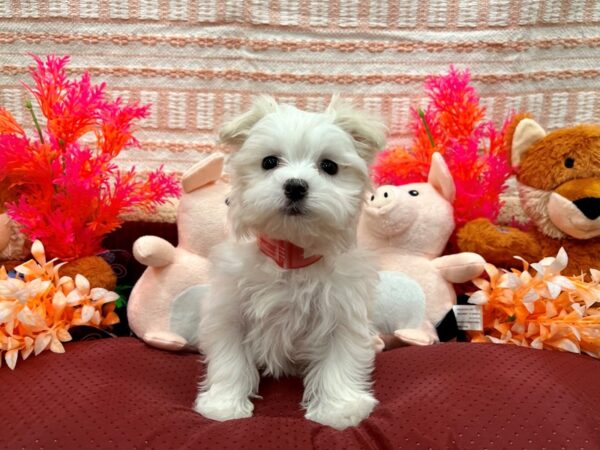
202 173
368 131
236 131
440 177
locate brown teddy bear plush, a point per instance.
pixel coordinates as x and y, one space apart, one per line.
12 243
558 179
5 224
97 271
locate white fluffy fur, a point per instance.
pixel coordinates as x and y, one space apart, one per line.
312 322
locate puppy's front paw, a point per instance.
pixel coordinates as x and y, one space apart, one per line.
341 414
222 407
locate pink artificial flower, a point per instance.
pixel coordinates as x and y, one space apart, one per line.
68 194
453 124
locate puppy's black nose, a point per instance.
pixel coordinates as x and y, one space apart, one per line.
295 189
589 206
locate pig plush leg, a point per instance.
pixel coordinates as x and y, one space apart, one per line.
399 303
390 341
165 340
460 267
153 251
425 335
184 316
379 343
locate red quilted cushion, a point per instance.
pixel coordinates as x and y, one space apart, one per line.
120 393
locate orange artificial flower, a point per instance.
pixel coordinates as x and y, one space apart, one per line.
540 310
38 307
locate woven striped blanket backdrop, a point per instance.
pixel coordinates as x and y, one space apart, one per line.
201 62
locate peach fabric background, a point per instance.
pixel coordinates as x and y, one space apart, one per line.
200 62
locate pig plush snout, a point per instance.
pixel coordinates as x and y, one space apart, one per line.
387 212
382 198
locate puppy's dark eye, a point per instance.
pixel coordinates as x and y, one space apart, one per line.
329 167
569 163
413 193
227 201
270 162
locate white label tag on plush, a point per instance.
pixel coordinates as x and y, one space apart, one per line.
468 317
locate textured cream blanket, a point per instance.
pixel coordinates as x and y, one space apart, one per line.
201 62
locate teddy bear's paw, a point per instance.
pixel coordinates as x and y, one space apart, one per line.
165 340
341 414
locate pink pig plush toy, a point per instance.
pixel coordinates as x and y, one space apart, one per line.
163 308
408 227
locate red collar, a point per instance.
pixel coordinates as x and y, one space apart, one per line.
284 253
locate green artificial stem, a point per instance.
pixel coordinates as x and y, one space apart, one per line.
422 116
29 106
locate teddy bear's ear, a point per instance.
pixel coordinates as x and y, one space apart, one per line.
527 133
368 131
236 131
441 178
204 172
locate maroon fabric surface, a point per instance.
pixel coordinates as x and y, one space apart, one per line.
120 393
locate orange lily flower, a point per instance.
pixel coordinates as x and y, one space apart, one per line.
543 309
38 308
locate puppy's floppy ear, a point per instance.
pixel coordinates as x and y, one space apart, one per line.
236 131
367 130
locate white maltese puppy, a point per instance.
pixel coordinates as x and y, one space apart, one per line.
291 296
